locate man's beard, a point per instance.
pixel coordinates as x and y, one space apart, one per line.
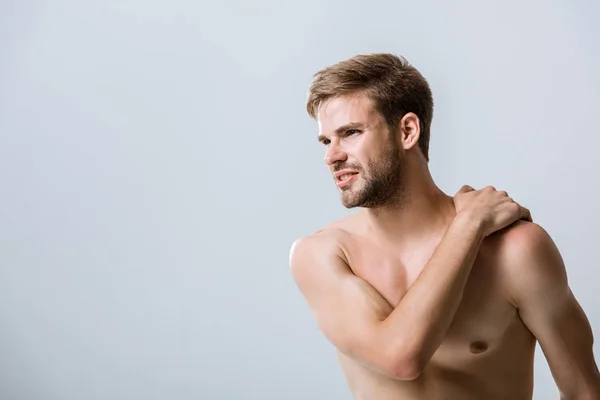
382 183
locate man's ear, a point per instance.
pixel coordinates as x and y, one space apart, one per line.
410 130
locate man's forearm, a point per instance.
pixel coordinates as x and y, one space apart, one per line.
417 326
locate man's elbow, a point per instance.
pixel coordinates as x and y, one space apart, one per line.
582 396
589 391
406 368
394 360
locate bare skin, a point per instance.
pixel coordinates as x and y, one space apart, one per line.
427 296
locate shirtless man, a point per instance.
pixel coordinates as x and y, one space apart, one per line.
427 296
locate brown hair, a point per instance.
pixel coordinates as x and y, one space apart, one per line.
395 86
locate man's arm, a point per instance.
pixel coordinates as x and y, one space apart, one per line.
540 291
362 324
358 321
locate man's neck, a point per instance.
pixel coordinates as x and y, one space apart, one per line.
423 212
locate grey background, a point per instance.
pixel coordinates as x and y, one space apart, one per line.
156 164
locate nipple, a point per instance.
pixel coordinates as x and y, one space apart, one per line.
478 347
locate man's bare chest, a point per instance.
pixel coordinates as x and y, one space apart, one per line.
485 325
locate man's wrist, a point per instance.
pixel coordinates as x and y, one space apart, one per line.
468 222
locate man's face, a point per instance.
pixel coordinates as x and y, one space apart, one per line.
358 141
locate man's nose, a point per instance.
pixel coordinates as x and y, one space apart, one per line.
334 154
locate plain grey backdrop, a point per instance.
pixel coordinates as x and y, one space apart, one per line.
156 164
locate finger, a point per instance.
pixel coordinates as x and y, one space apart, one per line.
503 193
526 214
466 189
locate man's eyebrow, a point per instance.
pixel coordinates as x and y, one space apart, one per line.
342 129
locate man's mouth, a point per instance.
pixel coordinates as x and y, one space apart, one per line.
346 179
345 176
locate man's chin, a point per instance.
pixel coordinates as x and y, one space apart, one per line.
350 203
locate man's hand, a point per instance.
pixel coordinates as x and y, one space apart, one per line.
491 209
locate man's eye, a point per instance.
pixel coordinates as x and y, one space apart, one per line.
351 131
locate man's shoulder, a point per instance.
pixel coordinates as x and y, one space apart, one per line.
328 241
328 238
527 257
521 240
335 233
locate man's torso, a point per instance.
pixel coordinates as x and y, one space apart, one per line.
487 352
